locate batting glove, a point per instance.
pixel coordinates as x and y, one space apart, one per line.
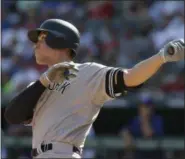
173 51
60 72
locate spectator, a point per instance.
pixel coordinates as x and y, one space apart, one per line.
117 33
146 125
100 9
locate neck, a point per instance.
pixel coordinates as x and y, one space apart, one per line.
53 63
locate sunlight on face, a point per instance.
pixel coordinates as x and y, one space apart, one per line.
46 55
43 53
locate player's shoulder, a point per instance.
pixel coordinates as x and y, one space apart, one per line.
90 65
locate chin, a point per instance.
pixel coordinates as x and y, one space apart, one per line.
40 62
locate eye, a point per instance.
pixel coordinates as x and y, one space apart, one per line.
42 36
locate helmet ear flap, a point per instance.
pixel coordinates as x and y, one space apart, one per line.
55 42
58 42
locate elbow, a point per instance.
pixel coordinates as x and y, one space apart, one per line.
12 117
9 117
132 79
129 79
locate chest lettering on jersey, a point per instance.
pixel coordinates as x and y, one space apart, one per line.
60 87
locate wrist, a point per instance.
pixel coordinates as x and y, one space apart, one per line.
161 56
44 80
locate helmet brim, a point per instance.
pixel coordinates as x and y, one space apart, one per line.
33 34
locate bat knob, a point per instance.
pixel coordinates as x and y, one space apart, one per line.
171 50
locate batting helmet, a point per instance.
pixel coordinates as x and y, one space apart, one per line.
60 34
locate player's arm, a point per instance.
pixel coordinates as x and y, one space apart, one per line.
21 107
147 68
118 81
142 71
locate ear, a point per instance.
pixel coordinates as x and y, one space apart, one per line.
70 53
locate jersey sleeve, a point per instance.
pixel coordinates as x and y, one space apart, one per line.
101 84
105 83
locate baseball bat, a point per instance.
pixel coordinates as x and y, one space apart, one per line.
171 50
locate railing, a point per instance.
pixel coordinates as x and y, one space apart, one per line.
109 142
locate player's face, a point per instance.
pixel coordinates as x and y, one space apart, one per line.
43 53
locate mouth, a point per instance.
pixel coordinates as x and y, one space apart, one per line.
35 50
36 46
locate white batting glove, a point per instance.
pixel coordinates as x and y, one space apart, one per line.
173 51
58 73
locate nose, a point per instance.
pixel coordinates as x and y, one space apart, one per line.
35 46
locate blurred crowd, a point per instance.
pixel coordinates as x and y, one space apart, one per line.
114 33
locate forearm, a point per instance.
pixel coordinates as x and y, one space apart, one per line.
22 106
142 71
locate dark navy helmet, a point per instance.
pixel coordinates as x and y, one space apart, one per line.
60 34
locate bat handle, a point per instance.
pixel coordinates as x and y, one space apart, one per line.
171 50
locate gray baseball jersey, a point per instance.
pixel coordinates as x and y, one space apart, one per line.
65 112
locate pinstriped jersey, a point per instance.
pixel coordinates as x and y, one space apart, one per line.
66 111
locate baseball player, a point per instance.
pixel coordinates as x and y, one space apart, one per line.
63 103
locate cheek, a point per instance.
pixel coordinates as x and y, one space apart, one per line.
44 49
43 46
